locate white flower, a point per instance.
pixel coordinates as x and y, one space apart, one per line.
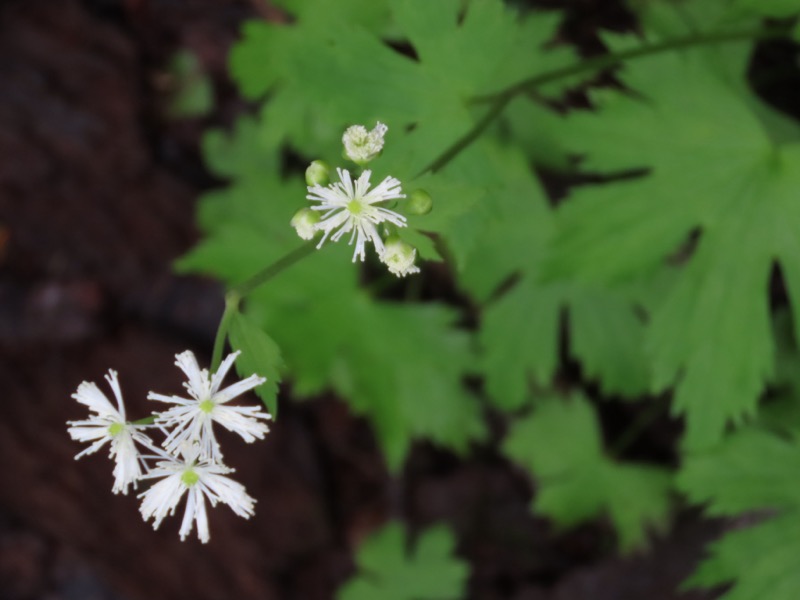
192 419
109 425
351 206
201 479
399 257
362 146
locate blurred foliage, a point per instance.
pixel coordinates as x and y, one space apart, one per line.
190 91
561 444
653 279
387 569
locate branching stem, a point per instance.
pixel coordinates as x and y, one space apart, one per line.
501 99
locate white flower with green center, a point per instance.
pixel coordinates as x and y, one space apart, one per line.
108 425
360 145
351 207
199 479
191 419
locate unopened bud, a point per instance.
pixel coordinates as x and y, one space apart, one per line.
318 173
304 222
360 145
419 203
399 257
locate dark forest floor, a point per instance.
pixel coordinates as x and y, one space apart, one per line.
97 193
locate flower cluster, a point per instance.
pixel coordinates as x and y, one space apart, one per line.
188 461
352 206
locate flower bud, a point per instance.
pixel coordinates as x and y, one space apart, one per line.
419 203
399 257
360 145
304 222
318 173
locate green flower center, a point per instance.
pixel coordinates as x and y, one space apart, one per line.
355 207
115 429
190 477
207 406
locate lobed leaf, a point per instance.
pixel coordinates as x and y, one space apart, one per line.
387 570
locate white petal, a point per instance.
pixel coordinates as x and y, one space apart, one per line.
226 365
90 395
198 379
238 388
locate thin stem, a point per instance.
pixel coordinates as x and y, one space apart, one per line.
234 296
244 288
231 308
646 418
501 99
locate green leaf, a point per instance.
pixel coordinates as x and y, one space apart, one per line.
752 470
607 337
713 172
387 570
762 560
781 411
560 444
241 154
777 9
191 92
525 313
465 50
260 355
510 242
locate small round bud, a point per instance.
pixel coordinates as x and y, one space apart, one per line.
318 173
399 257
419 203
304 222
360 145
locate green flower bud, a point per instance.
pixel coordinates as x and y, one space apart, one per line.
318 173
304 222
399 257
419 203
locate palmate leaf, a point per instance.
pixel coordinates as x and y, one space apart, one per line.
513 225
387 570
464 50
752 470
561 446
712 168
402 365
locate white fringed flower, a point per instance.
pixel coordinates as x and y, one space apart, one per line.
199 479
351 207
108 424
191 420
360 145
399 257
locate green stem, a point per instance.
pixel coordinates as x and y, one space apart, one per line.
501 99
244 288
234 296
646 418
231 308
